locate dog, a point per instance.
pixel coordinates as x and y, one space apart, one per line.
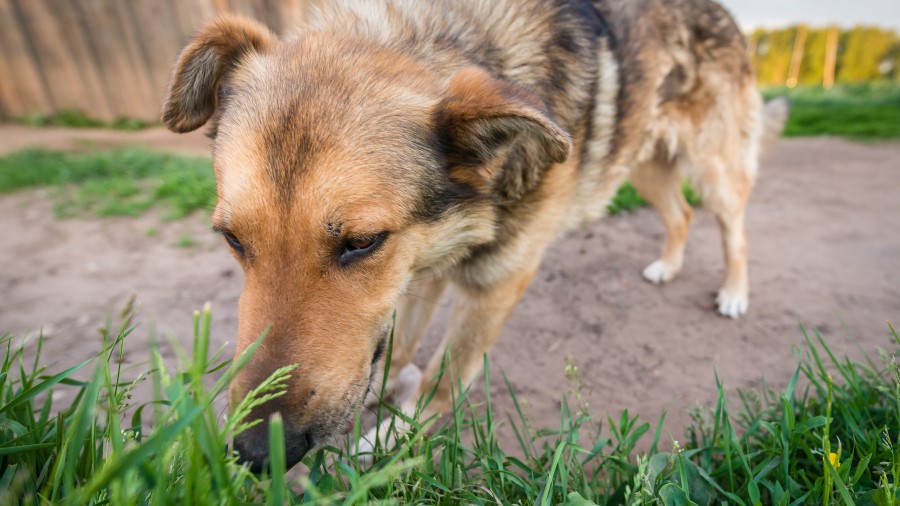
388 149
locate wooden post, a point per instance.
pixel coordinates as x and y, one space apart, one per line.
797 56
20 67
831 48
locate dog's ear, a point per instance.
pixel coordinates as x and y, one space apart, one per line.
193 92
497 133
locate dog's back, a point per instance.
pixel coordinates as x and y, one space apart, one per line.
650 90
688 107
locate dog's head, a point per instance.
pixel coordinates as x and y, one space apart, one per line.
342 169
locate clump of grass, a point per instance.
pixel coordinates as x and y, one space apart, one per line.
831 437
90 452
866 111
72 118
628 199
117 182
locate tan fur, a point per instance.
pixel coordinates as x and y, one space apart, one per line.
389 149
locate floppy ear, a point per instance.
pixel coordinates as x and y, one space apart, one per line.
499 133
192 95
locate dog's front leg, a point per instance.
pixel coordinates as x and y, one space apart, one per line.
477 319
413 314
474 327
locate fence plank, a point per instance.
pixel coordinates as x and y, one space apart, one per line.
108 58
87 66
191 16
9 97
121 64
54 56
160 40
29 85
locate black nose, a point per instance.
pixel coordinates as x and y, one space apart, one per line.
253 446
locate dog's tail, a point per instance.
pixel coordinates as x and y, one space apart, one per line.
774 116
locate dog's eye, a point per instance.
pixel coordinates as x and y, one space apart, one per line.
358 243
233 242
356 248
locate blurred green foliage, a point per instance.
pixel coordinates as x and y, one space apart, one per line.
863 111
71 118
864 53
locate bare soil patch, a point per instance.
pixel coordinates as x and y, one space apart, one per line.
824 251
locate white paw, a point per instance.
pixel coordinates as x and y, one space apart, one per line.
732 305
384 436
408 380
399 389
659 272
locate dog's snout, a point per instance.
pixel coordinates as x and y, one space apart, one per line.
252 446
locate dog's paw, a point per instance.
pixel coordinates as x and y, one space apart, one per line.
659 272
399 389
732 305
384 436
407 385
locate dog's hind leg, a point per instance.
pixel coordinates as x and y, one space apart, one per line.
474 328
726 187
659 182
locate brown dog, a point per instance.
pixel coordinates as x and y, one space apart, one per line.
391 148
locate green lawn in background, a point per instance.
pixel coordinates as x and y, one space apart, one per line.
72 118
868 111
117 182
129 181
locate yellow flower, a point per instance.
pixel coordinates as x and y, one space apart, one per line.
833 458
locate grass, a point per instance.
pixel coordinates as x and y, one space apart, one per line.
130 181
868 111
71 118
185 241
830 437
118 182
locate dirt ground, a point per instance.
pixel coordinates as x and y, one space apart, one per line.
824 251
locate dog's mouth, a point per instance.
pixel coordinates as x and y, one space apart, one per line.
380 348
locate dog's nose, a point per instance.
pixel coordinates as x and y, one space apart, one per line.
253 446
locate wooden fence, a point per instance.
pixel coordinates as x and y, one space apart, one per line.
106 58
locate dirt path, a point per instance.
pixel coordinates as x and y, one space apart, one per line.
824 251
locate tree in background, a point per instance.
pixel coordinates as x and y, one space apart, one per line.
865 50
863 54
893 59
812 69
773 54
